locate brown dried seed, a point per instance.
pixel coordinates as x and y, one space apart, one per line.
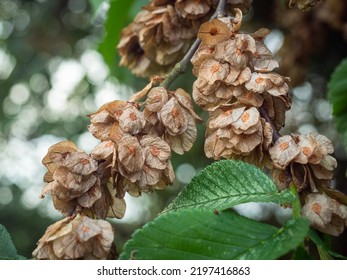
173 117
225 117
66 154
66 207
284 151
228 52
192 9
267 133
103 150
90 197
74 183
245 42
329 163
204 52
322 173
245 143
213 32
130 154
212 70
131 120
157 151
325 214
260 34
149 177
117 208
248 119
156 99
214 146
259 83
181 143
307 147
326 145
250 98
185 101
80 163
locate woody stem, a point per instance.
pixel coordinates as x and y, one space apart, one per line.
182 66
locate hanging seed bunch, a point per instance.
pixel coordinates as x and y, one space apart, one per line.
77 237
235 79
306 161
306 157
162 33
74 183
140 141
134 156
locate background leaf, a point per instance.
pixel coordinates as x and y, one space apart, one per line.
117 16
227 183
7 249
201 234
338 98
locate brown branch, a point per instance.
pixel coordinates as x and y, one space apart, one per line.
182 66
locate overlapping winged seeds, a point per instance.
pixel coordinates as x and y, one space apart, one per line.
76 237
325 213
307 157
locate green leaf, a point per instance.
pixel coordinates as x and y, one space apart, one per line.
323 250
203 234
116 19
227 183
338 98
7 249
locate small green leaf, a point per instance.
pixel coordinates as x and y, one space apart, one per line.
338 98
323 250
203 234
227 183
116 19
7 249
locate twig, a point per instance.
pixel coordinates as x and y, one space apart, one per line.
182 66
